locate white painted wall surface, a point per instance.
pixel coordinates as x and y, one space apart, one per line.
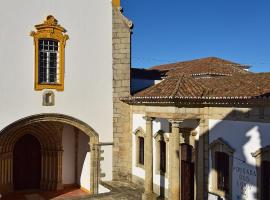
245 138
68 142
88 63
137 122
83 170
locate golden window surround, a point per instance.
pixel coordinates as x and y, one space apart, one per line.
50 29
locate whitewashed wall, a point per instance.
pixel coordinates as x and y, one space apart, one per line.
68 142
245 138
139 84
83 172
88 63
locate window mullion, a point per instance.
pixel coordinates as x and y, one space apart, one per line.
48 67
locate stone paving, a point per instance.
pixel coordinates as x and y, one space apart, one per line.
118 191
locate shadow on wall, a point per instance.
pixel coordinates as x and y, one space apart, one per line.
83 156
239 138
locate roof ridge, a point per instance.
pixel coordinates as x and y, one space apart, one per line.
177 86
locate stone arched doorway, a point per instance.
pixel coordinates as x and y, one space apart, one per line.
47 130
27 163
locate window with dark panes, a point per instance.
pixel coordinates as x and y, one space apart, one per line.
222 168
141 150
162 145
48 61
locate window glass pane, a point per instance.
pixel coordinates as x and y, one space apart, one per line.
48 55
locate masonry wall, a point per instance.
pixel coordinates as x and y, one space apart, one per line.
121 87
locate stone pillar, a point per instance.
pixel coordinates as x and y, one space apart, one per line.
6 178
148 160
59 158
94 168
174 161
203 159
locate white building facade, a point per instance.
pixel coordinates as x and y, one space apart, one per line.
57 93
204 135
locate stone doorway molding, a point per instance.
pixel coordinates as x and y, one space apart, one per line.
40 126
262 154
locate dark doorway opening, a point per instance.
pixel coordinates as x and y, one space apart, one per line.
265 185
27 163
187 172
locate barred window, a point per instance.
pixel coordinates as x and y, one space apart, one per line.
48 61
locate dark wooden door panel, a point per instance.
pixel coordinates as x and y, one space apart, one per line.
27 163
265 180
187 180
187 173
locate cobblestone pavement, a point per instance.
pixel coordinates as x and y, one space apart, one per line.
120 191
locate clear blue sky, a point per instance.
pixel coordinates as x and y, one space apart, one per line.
177 30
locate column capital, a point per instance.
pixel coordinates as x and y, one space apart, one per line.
148 119
176 122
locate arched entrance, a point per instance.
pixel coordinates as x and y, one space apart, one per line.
46 129
27 163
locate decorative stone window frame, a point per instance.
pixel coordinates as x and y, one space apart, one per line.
262 154
219 145
50 29
139 132
48 98
161 136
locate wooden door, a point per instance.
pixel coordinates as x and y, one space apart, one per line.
187 173
27 163
265 187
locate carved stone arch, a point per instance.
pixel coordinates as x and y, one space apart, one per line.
161 136
139 132
53 117
38 130
222 146
51 146
219 145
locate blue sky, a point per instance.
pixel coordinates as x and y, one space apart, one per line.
176 30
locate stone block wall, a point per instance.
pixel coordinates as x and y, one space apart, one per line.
121 42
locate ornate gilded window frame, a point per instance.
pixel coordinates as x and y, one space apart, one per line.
50 29
219 145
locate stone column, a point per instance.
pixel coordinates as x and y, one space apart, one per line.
148 160
203 159
174 161
94 168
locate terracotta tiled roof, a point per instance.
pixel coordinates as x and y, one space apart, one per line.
177 88
203 66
